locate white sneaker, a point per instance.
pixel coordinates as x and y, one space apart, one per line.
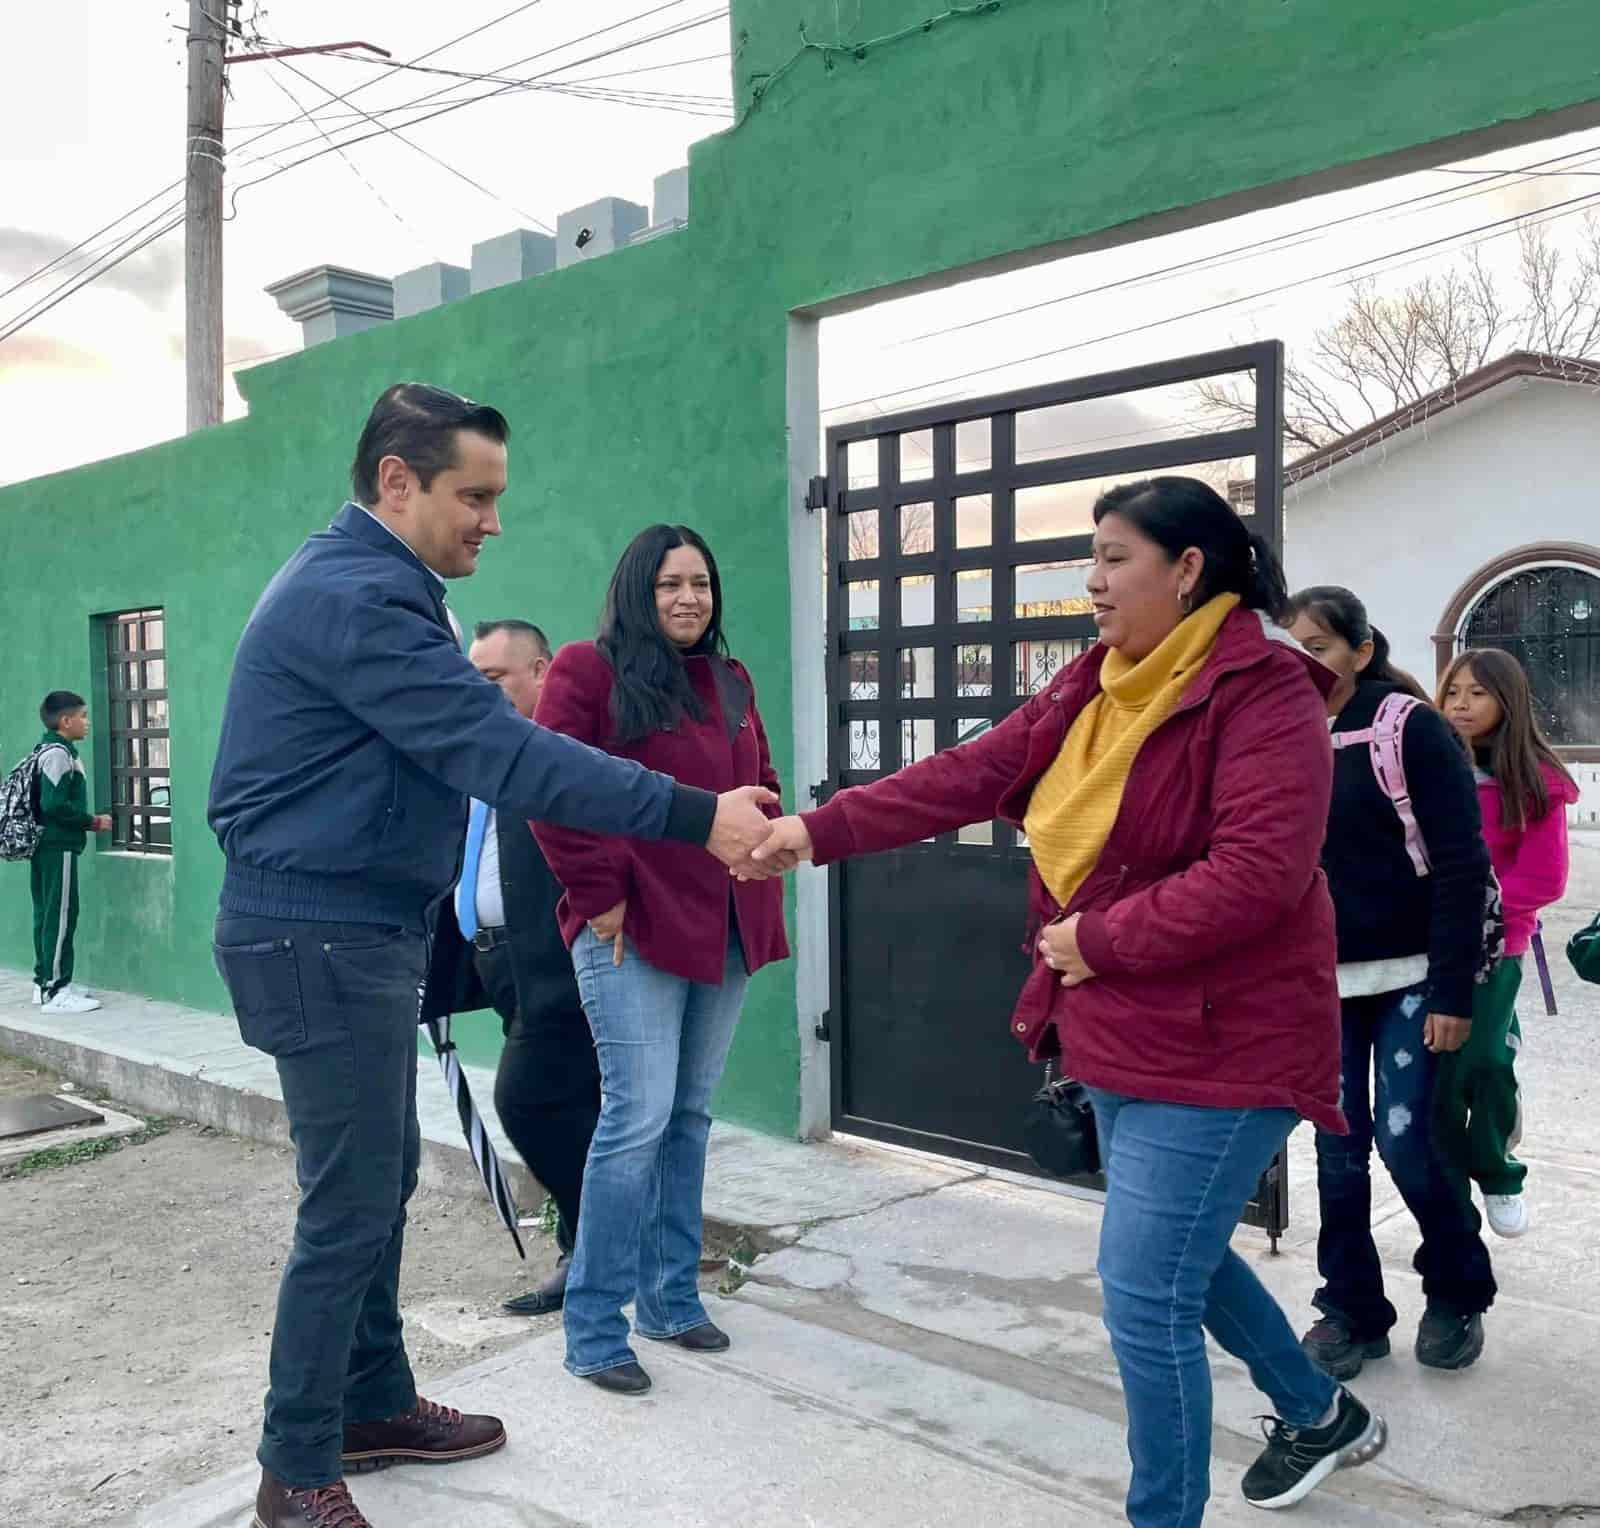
38 994
82 991
68 1001
1508 1214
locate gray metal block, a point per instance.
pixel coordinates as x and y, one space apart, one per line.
670 202
331 301
511 257
609 222
430 286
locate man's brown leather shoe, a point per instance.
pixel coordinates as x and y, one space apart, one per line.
427 1434
279 1506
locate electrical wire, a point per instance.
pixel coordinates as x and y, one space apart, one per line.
126 246
426 154
1559 209
1444 196
173 185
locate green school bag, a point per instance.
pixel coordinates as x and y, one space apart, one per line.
1583 950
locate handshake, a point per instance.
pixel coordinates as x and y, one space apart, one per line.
752 845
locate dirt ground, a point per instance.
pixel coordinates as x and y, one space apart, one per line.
136 1298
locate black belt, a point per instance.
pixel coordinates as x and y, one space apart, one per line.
490 938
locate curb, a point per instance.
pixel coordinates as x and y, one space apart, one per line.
158 1090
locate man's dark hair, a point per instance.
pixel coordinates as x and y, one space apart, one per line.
59 703
526 629
418 423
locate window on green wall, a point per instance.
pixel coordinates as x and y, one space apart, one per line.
140 737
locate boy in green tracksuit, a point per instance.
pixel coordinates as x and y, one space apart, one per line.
67 821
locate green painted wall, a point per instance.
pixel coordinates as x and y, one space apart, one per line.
650 384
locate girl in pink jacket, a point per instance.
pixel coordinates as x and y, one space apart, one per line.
1524 792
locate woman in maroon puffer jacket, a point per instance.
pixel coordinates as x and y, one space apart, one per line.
1180 774
663 943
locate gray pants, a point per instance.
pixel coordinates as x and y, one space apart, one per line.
335 1005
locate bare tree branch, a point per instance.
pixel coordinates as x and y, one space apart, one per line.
1388 351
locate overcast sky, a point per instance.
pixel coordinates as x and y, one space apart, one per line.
102 128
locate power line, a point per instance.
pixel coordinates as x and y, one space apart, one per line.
485 96
173 185
355 169
426 154
1545 214
1446 196
120 250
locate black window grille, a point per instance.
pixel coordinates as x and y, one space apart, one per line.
1549 619
141 740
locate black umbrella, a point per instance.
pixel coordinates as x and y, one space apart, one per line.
483 1152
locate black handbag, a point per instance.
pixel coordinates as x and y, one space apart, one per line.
1059 1128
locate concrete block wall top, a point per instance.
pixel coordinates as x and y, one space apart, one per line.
511 257
670 201
430 286
602 226
336 289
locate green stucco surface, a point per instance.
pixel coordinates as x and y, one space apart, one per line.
650 384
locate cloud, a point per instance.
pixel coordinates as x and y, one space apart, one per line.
40 352
153 276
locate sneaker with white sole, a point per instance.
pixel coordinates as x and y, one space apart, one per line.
1507 1214
1298 1459
38 995
68 1001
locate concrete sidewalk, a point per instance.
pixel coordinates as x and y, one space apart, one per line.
920 1342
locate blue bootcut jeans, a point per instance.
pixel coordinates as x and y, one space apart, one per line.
662 1044
1177 1181
1395 1111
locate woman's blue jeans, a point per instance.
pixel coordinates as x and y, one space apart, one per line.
1177 1180
662 1043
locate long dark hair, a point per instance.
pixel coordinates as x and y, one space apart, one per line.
650 690
1339 611
1182 512
1518 746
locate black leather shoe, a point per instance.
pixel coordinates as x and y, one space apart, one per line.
707 1338
625 1379
550 1296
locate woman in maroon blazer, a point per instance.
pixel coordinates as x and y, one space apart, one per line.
663 942
1189 977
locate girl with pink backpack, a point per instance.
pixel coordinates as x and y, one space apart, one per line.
1523 791
1412 894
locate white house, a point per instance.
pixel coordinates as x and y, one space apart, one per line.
1473 519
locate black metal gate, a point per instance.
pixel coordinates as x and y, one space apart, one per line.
958 543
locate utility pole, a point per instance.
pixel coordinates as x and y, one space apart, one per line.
202 229
202 199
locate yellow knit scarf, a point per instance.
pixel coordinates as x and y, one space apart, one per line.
1075 803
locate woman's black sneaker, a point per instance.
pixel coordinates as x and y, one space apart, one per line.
1298 1459
1448 1341
1332 1349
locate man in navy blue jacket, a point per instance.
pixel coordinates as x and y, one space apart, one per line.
355 730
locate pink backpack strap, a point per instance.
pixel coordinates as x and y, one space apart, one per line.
1389 765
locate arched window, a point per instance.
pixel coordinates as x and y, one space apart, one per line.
1549 619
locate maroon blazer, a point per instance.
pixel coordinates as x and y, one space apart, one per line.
1207 918
678 896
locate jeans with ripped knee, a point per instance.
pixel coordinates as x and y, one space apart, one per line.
1388 1098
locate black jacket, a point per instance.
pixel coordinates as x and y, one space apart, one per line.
541 965
1384 908
355 730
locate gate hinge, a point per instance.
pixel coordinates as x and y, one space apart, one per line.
824 1029
818 791
817 494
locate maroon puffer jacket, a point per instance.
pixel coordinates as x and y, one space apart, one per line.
1206 919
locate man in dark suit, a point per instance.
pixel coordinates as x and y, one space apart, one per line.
498 945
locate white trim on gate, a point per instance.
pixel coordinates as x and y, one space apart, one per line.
808 678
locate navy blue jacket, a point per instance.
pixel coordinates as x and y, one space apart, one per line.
355 730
